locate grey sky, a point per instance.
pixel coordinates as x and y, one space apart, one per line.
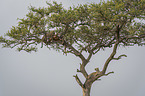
49 73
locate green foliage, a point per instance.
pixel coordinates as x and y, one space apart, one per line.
88 26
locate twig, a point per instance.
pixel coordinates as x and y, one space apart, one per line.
123 55
108 73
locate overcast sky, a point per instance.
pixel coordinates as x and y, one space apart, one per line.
49 73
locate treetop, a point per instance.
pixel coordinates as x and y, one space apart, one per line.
88 27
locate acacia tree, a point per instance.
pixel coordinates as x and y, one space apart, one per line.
86 28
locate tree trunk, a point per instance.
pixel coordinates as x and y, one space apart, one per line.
86 91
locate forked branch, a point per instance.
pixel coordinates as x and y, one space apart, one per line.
78 80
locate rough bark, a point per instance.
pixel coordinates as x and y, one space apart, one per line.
86 91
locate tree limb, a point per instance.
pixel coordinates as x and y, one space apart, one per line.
83 70
119 57
78 80
110 58
108 73
74 51
89 57
96 51
84 60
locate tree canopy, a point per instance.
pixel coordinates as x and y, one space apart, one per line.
89 25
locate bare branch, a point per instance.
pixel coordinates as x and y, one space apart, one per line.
96 51
123 55
110 58
108 73
83 70
74 51
89 57
84 61
78 80
78 70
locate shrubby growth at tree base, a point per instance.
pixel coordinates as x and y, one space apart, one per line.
85 28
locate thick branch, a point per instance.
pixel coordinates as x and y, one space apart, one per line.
83 70
89 57
110 58
84 61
